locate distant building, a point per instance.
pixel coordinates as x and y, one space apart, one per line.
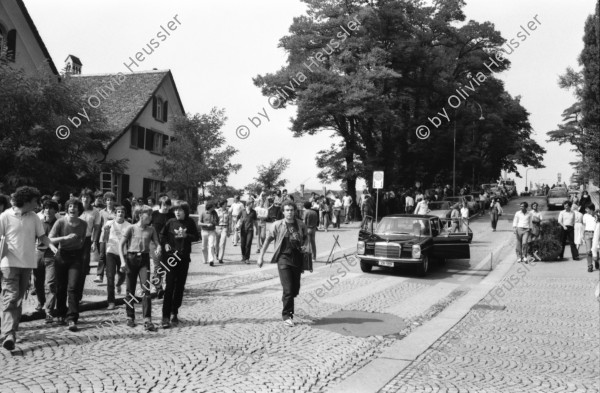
20 38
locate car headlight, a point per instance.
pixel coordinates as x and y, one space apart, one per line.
416 251
360 248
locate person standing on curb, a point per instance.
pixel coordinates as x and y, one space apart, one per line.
111 236
70 232
208 222
566 219
290 237
495 212
222 230
177 236
21 227
246 220
589 226
522 228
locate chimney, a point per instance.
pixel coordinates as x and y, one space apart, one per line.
73 65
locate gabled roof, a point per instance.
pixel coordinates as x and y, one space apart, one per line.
125 104
37 36
75 59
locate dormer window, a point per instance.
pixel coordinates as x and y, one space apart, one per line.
160 109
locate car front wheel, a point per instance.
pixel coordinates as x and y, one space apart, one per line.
424 266
365 267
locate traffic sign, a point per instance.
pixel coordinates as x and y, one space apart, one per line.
377 179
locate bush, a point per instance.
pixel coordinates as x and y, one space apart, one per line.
549 245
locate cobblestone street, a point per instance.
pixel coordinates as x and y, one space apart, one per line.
231 338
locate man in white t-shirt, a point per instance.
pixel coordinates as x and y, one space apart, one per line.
422 207
347 202
409 204
21 227
566 219
235 210
589 224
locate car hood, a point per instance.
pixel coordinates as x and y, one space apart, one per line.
396 238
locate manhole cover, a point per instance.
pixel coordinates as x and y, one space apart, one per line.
361 324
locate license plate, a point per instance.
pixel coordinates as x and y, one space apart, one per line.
386 263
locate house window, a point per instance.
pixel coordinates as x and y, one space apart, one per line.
160 109
152 188
137 137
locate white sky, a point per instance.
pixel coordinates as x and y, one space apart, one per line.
221 45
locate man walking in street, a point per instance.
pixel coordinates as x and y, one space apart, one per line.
21 227
107 214
522 228
208 222
566 219
589 224
235 210
347 202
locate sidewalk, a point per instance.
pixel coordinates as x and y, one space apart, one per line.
537 330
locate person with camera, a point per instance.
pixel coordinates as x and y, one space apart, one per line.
290 237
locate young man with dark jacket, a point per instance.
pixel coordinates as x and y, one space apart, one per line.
177 236
291 238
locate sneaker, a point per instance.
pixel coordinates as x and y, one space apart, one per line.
174 319
9 343
247 261
160 293
119 290
72 326
61 321
220 261
519 260
49 319
98 279
111 306
165 323
149 326
130 322
590 269
289 322
211 264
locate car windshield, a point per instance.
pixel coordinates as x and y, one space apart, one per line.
558 194
441 205
403 225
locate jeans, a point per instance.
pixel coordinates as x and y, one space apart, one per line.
337 214
175 285
85 266
68 269
522 242
208 245
261 234
588 237
312 243
156 279
569 233
138 264
44 281
346 214
15 281
494 217
290 281
220 242
113 264
246 243
101 260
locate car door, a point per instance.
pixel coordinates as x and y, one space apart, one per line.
450 245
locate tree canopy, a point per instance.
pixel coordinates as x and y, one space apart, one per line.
269 176
33 106
372 73
198 156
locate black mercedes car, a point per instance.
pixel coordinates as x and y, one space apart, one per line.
410 240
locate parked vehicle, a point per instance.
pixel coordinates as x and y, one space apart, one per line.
471 203
556 198
441 209
410 240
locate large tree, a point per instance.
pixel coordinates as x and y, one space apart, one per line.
269 176
32 151
581 121
374 83
198 156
